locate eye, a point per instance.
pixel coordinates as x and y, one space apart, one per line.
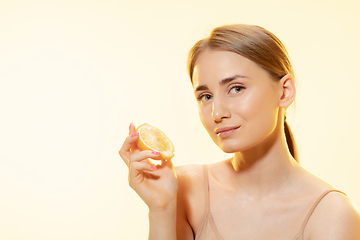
236 89
204 97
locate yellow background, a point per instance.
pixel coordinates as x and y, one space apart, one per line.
74 75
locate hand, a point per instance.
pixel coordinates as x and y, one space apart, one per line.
156 185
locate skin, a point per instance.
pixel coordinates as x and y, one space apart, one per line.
261 188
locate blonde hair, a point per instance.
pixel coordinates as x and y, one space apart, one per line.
255 43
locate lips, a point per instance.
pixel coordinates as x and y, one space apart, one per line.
226 131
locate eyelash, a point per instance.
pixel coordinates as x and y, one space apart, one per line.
200 97
242 87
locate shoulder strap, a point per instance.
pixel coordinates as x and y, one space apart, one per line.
316 203
206 188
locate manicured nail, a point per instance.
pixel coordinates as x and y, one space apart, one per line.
153 167
156 152
134 134
130 126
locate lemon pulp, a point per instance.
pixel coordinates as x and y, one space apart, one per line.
152 138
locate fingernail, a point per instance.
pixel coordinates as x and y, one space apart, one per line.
130 126
156 152
134 134
153 167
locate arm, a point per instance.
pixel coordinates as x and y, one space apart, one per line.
162 223
172 221
188 200
336 219
156 185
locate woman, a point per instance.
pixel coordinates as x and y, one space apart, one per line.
243 82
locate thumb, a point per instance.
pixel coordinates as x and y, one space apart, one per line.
132 130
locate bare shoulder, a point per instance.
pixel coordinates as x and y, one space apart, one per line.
189 176
191 197
335 218
191 183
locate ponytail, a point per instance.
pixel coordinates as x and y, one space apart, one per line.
291 141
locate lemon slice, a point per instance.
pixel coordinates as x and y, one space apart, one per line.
153 139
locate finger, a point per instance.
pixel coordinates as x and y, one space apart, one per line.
135 170
127 147
144 155
132 130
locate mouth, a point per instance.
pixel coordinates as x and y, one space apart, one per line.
226 131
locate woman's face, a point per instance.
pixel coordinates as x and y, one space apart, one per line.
238 101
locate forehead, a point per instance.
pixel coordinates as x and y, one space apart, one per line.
218 64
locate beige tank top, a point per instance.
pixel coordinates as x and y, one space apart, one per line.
208 230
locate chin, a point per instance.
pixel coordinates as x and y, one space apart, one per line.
228 145
227 148
235 146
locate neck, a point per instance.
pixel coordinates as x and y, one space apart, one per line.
265 168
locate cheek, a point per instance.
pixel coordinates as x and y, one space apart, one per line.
260 108
203 116
206 118
248 106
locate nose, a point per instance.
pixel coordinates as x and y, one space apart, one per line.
220 111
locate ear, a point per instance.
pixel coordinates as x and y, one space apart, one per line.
287 90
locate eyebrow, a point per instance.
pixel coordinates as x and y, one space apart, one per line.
221 83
